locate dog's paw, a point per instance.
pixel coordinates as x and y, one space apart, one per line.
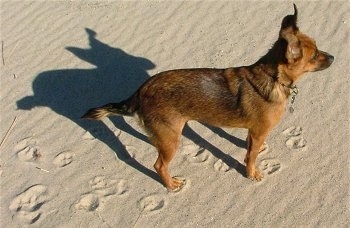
177 183
256 175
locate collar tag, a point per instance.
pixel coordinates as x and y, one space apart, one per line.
294 92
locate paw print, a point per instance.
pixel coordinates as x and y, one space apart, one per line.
295 139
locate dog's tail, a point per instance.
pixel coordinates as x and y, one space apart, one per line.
125 108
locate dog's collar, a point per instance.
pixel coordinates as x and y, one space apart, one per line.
293 90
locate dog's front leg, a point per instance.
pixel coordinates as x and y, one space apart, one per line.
255 141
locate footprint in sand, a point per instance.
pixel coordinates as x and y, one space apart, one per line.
152 203
26 206
221 166
28 154
88 202
104 186
24 143
63 159
270 166
26 150
295 138
195 153
296 142
101 189
293 131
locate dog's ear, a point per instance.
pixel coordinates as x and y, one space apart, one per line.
290 21
288 32
293 51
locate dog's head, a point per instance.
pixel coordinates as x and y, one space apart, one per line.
302 54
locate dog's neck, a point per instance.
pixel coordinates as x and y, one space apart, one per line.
274 62
276 55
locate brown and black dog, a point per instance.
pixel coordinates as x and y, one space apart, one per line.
252 97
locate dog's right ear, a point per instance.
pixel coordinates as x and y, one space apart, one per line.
288 32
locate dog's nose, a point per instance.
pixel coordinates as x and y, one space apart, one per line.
329 57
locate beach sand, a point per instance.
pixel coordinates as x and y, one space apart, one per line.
61 58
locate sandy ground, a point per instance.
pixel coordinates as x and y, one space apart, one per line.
61 58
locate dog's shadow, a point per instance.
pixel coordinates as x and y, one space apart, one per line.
226 158
71 92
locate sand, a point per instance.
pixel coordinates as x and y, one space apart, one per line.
61 58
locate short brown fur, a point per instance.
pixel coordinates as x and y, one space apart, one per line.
252 97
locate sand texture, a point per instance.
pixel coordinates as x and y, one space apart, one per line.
60 58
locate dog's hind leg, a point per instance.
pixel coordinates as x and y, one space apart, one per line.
166 139
255 141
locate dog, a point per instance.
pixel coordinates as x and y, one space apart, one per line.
254 97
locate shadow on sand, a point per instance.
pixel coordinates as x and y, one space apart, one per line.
71 92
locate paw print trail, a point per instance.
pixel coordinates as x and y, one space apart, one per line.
101 189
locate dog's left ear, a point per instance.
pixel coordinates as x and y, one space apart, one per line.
288 32
290 21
